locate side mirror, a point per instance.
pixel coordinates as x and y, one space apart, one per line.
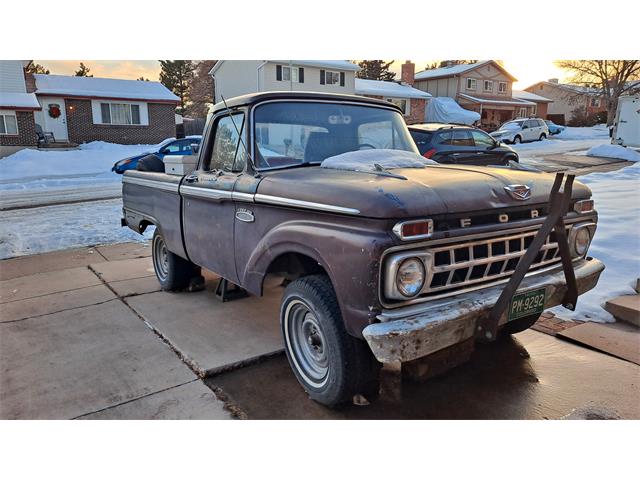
195 148
165 151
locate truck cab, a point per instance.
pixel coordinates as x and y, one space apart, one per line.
387 257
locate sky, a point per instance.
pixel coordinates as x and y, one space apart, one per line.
527 70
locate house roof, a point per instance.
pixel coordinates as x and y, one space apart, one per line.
18 101
570 88
532 97
388 89
102 88
457 70
487 101
335 64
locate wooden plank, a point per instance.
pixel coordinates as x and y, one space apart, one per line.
617 339
625 308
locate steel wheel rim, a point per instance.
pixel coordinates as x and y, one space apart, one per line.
307 343
160 258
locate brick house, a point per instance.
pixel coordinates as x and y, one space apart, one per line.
82 109
542 103
411 101
484 87
569 99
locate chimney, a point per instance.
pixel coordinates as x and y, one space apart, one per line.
554 80
408 72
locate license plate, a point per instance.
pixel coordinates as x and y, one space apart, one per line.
526 303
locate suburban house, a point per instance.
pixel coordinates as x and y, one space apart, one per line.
484 87
542 103
239 77
75 110
411 101
569 100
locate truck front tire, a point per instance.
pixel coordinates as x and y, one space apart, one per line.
331 365
173 272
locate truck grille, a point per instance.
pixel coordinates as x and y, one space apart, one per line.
460 265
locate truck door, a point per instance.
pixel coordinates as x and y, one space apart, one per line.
208 208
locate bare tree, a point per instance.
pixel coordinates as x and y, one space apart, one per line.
37 68
201 92
612 77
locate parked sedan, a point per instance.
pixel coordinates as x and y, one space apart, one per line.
170 146
462 144
553 128
522 130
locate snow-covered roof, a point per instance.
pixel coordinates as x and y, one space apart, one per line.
19 100
487 101
457 70
388 89
102 88
532 97
447 71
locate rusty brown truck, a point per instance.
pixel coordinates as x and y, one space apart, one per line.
387 256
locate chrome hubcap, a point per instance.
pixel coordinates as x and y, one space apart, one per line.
307 343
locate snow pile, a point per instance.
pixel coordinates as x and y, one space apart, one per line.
58 227
616 242
447 110
366 160
614 151
38 169
583 133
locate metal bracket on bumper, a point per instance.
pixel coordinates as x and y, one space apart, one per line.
415 331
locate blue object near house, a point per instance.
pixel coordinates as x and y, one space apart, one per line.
170 146
553 128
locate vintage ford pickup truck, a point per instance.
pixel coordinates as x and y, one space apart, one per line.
387 256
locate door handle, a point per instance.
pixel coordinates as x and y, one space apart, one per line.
191 179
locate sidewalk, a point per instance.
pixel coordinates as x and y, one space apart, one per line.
86 334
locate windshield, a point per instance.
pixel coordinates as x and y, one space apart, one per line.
512 126
303 133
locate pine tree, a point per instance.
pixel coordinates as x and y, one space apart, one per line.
83 71
201 93
448 63
375 70
142 79
37 68
177 76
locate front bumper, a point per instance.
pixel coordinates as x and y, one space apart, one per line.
418 330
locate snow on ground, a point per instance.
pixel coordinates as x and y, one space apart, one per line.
58 227
570 140
616 242
90 164
614 151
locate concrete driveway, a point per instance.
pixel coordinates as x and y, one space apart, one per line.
87 334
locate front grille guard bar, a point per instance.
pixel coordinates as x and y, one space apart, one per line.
558 207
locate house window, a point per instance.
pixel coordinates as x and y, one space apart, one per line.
502 87
120 113
403 103
595 102
471 83
488 86
8 124
332 78
289 74
522 112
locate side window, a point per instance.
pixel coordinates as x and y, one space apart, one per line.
481 139
228 152
526 124
462 138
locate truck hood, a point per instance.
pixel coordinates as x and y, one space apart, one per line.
433 190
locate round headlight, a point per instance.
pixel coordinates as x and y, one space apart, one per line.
410 277
581 241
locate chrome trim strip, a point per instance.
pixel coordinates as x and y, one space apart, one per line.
242 197
290 202
208 193
145 182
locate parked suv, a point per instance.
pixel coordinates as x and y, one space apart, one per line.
461 144
522 130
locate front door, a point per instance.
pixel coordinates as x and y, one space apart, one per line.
55 117
209 210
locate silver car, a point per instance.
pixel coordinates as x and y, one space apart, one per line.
522 130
